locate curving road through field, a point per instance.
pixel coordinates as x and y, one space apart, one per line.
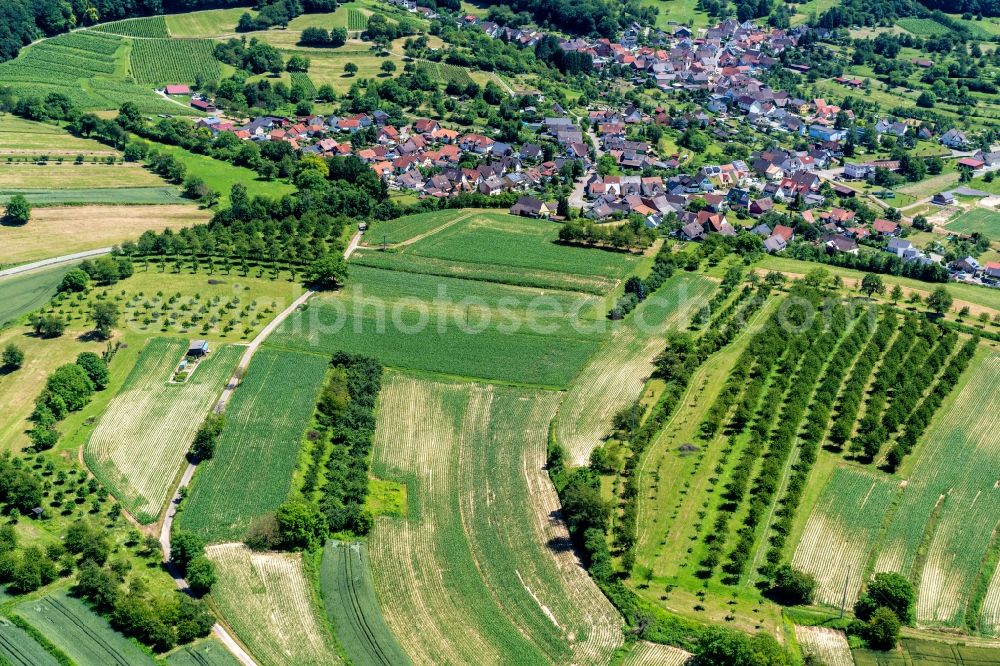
220 631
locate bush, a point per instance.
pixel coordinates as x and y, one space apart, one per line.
882 630
96 369
13 357
75 280
792 587
200 575
889 590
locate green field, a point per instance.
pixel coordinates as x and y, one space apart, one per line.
924 27
221 176
917 652
461 328
981 220
615 375
161 61
208 652
137 196
480 509
350 602
210 23
400 229
445 73
26 138
20 294
18 648
265 422
148 27
269 602
79 632
140 441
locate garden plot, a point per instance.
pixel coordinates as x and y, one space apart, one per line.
830 645
645 653
140 441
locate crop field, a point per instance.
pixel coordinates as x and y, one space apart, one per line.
261 433
27 177
989 616
406 228
615 375
209 23
20 294
208 652
841 532
482 509
83 635
18 648
949 509
150 26
350 602
644 653
140 441
505 240
59 231
923 27
26 138
461 328
173 60
267 600
829 645
986 222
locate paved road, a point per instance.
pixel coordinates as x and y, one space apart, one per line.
54 261
231 644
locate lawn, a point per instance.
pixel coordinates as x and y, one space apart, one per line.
140 441
266 420
83 635
981 220
221 176
267 600
26 177
54 232
461 328
481 509
26 137
350 602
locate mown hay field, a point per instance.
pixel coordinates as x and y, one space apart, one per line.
26 138
842 530
615 375
141 439
56 231
26 177
828 645
350 602
251 471
483 510
461 328
84 636
209 23
267 600
644 653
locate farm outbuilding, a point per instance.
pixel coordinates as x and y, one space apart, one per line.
198 348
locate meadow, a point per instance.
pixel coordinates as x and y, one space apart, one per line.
349 598
140 441
482 509
460 328
58 231
209 23
263 432
615 375
268 601
981 220
83 635
221 176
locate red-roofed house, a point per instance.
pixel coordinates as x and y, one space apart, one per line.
177 89
885 227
